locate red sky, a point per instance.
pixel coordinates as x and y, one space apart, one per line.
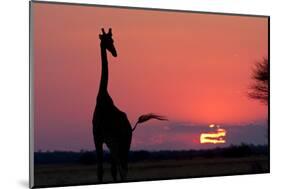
194 68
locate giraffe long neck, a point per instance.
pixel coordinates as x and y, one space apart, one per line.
104 72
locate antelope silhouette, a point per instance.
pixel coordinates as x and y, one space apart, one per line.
110 125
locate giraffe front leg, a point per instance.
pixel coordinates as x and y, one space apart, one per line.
99 152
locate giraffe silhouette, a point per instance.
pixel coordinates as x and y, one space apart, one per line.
110 125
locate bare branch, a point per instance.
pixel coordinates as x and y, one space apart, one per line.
260 75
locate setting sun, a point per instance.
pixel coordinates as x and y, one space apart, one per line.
217 137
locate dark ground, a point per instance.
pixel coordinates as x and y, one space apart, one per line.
75 173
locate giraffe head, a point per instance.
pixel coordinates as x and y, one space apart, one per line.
107 41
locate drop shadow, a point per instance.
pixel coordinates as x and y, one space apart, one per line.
24 183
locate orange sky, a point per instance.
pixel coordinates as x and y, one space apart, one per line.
193 68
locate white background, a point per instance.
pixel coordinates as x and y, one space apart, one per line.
14 105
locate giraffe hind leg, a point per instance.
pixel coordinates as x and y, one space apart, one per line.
114 157
113 168
124 162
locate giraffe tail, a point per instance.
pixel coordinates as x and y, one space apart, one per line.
146 117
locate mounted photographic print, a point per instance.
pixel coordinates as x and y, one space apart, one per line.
122 94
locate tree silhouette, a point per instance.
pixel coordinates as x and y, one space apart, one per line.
259 89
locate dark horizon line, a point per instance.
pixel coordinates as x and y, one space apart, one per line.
160 150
